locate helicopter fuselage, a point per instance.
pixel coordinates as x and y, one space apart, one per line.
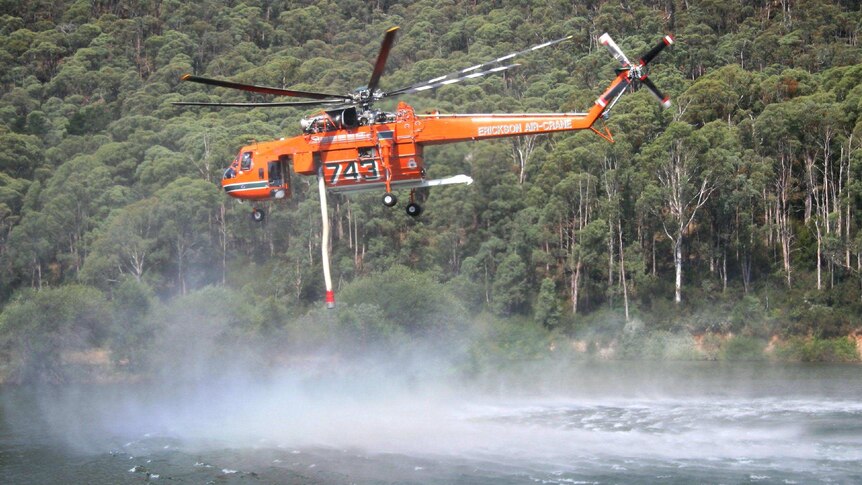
384 155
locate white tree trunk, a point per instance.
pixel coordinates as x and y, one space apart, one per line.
623 271
522 149
677 264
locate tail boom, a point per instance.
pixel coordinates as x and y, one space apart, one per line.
436 129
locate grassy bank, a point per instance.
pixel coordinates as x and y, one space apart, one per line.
400 316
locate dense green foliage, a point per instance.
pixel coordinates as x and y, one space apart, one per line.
39 327
839 349
749 187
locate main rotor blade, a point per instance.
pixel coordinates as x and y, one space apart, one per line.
262 105
262 89
479 66
664 100
615 50
435 85
650 55
382 56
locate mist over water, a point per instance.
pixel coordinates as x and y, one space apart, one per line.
414 418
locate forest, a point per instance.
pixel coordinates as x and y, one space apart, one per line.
727 226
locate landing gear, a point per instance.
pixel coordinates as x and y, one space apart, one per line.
257 215
389 199
414 209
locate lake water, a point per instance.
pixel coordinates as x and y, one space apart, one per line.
583 423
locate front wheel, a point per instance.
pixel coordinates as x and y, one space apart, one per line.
389 199
414 209
257 215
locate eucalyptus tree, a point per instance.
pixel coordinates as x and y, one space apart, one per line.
547 307
569 211
76 199
20 154
12 191
186 211
28 252
684 181
509 290
775 134
126 245
613 181
723 156
822 122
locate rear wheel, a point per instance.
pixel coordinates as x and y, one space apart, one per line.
414 209
389 199
257 215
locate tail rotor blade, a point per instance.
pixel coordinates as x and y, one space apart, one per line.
664 100
614 49
382 56
650 55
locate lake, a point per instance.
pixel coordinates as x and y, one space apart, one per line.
578 423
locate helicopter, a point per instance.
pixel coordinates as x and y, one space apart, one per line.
352 146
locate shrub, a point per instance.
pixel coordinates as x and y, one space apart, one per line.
131 334
603 325
818 319
658 345
363 326
203 333
813 349
749 315
38 327
410 299
679 346
500 342
743 348
711 346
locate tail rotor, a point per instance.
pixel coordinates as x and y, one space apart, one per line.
637 73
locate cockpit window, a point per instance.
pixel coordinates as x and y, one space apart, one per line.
246 161
230 172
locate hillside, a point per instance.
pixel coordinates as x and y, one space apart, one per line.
734 212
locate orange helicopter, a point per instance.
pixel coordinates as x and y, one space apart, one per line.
351 146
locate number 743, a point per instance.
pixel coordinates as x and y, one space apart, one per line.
352 170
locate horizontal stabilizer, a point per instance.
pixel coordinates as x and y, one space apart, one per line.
403 184
457 179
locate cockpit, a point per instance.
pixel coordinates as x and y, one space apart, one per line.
241 163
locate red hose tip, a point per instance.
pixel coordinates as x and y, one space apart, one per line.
330 299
